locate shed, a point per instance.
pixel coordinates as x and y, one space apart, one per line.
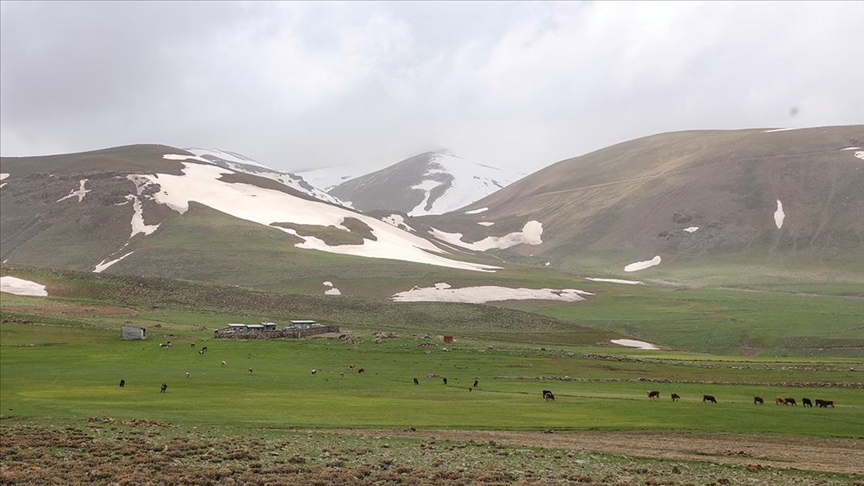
303 324
132 332
448 339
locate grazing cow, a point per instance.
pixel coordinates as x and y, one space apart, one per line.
341 375
204 350
314 372
708 398
224 364
475 383
416 381
470 389
791 401
675 397
122 383
350 366
547 395
445 381
824 403
758 400
653 394
187 374
779 401
201 351
806 402
163 388
250 371
192 345
361 371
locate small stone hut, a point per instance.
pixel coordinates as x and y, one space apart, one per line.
132 332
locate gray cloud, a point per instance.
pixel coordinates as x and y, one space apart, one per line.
299 85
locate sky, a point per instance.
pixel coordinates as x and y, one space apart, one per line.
516 85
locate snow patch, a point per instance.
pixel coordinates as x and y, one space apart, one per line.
81 192
634 267
201 183
632 343
186 157
398 221
3 175
782 130
860 154
614 280
19 286
779 215
332 290
530 235
138 225
477 211
692 229
105 264
851 148
479 295
485 223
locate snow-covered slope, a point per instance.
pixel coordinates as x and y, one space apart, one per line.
429 183
246 165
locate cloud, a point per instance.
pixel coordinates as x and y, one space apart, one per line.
305 84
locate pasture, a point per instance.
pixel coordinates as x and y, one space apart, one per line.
62 361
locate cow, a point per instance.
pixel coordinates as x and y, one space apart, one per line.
475 383
416 381
824 403
675 397
224 364
187 374
250 371
203 350
122 383
708 398
163 388
361 371
791 401
341 375
758 401
653 394
445 381
192 345
806 402
350 366
547 395
779 401
314 372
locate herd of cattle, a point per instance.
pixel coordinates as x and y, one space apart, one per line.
653 394
548 395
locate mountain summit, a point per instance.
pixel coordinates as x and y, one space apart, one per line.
429 183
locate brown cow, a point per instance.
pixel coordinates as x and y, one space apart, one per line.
758 400
779 401
824 403
791 401
653 394
675 397
708 398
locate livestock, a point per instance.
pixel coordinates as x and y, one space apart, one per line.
708 398
416 381
361 371
163 388
824 403
192 345
779 401
250 371
475 383
758 400
547 395
806 402
341 375
187 374
350 366
203 350
675 397
224 364
122 383
445 381
314 372
791 401
653 394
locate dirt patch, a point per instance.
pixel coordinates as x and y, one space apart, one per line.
72 310
806 453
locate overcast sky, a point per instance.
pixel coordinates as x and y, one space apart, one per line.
522 85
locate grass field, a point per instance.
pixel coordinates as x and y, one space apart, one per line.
62 359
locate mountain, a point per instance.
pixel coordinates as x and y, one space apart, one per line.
241 163
158 210
746 204
429 183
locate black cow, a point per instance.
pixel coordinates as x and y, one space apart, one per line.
416 382
547 395
675 397
122 383
758 400
806 402
708 398
445 381
163 388
475 383
824 403
791 401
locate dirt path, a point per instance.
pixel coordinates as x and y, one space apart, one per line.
806 453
